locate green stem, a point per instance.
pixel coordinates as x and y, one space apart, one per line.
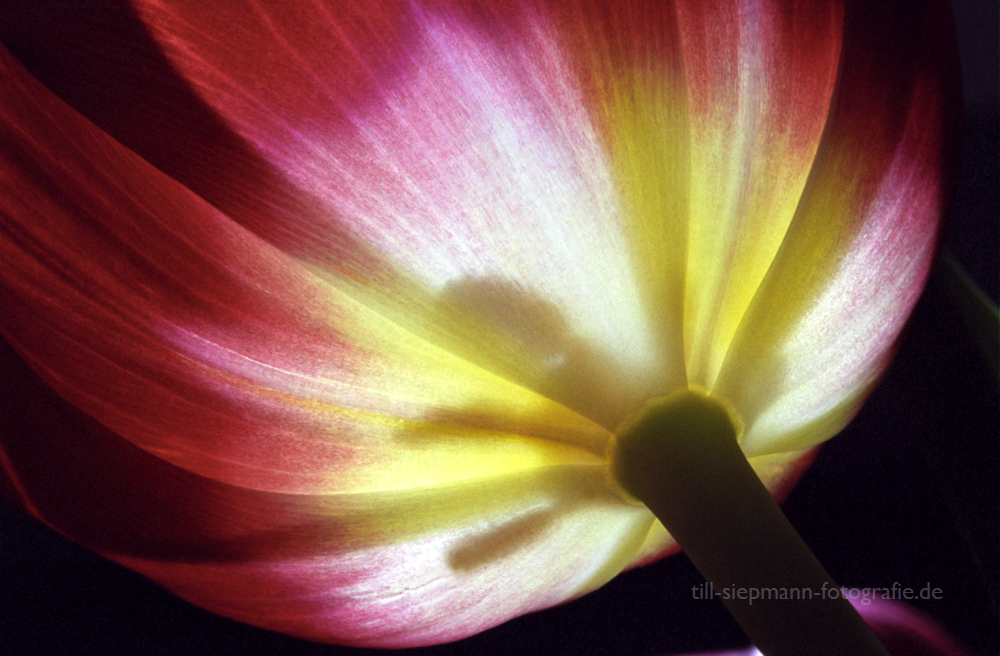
681 458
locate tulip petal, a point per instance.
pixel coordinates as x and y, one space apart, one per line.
581 80
387 569
821 326
904 630
440 136
760 76
356 422
201 343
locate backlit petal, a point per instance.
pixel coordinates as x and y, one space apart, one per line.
353 293
398 568
821 326
207 346
759 76
441 146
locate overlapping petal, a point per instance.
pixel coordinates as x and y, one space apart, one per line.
481 134
278 478
390 568
819 331
174 326
739 94
760 77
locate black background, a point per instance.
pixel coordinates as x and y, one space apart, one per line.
907 494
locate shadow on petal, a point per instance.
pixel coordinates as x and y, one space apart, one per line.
498 543
531 337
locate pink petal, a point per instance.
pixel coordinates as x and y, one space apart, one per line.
820 329
380 569
368 373
905 631
465 131
201 343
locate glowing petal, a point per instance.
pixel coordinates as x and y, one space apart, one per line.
440 152
363 334
759 76
201 343
820 329
398 568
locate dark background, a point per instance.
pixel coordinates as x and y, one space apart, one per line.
907 494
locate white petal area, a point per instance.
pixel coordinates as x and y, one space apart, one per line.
821 329
477 164
428 566
846 337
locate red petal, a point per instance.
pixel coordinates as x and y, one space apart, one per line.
196 340
379 569
100 59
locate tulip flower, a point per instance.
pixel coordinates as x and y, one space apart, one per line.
346 311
